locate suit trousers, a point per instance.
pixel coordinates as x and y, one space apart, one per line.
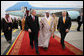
63 35
34 37
79 25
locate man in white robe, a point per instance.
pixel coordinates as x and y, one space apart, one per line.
45 31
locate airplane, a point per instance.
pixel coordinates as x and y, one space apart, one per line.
18 8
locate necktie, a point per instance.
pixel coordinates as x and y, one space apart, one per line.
64 20
33 18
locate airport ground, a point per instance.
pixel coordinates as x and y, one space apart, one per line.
73 37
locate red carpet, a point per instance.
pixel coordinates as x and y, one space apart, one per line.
25 49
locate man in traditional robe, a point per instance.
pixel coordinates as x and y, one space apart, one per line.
23 24
45 31
7 28
54 24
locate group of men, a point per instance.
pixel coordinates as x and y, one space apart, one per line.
45 28
15 23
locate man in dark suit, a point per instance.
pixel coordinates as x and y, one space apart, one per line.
80 21
64 24
20 24
32 26
15 23
26 13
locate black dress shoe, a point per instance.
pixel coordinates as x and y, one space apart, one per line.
45 48
63 47
78 30
9 42
37 52
32 47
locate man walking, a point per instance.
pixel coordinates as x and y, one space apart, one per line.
32 26
64 24
80 21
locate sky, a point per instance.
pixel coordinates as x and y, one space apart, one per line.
70 4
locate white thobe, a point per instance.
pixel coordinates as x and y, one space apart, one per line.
45 33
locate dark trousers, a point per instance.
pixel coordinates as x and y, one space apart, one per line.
63 35
34 37
21 27
8 35
16 25
79 25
